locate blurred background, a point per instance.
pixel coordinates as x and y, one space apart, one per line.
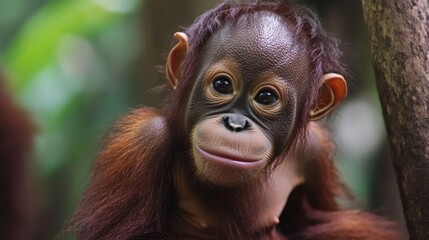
77 65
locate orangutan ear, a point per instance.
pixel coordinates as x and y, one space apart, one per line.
332 92
175 59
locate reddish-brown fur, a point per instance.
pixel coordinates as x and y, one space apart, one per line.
15 146
131 193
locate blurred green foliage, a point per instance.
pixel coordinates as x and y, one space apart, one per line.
71 64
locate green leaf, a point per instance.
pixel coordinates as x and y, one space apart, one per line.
36 44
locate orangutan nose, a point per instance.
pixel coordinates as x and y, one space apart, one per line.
235 123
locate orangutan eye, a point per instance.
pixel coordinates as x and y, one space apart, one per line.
223 85
266 97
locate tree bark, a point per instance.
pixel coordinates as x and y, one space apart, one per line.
399 35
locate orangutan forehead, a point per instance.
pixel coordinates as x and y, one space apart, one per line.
261 42
264 28
263 38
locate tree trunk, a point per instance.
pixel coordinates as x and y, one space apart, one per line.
399 35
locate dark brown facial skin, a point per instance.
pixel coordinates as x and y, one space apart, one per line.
256 55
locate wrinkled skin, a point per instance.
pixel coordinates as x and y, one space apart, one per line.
255 55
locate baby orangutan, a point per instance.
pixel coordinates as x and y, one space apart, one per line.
236 153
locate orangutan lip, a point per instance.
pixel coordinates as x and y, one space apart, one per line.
229 159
